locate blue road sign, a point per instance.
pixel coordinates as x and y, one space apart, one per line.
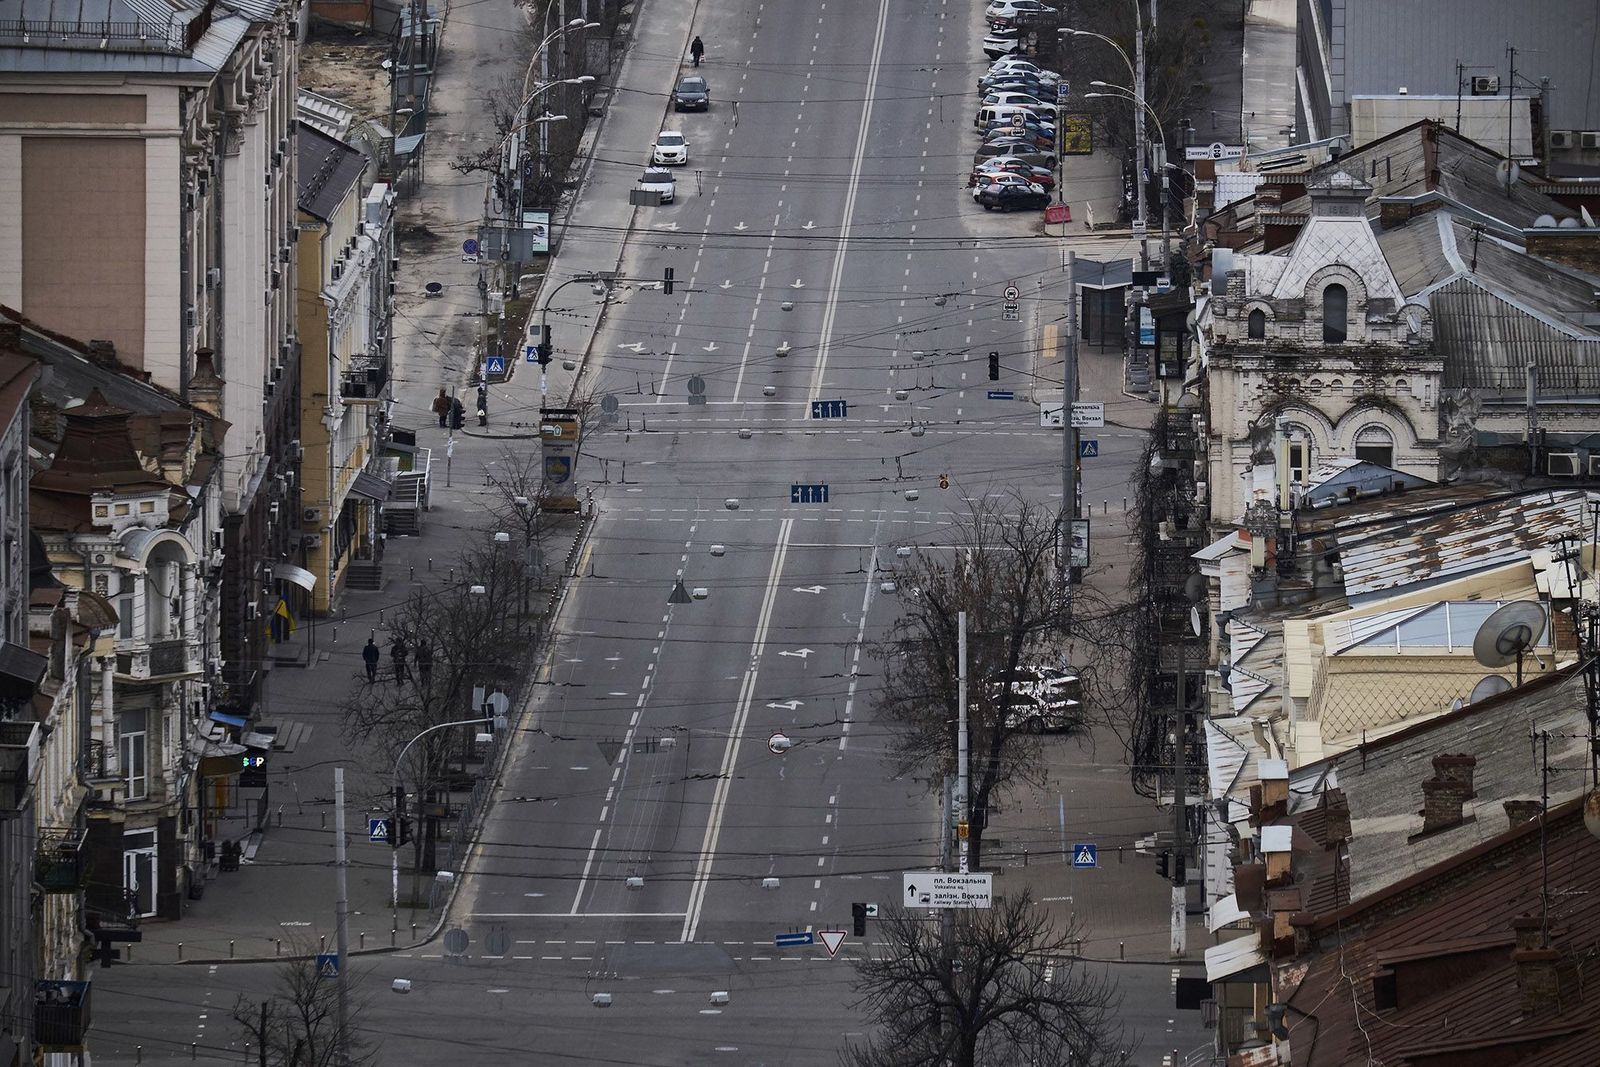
808 494
469 246
829 409
494 365
530 353
1001 394
1086 855
327 965
795 940
1088 447
378 831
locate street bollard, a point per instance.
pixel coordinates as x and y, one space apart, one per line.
1024 857
322 943
280 815
230 949
413 932
1105 507
363 939
324 820
138 1054
413 574
1122 950
336 635
430 563
278 949
392 933
194 1048
180 950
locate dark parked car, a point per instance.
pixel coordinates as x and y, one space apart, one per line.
1040 136
1011 165
1010 197
692 94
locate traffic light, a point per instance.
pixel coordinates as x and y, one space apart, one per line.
667 281
1163 861
1178 875
858 913
401 834
994 366
544 350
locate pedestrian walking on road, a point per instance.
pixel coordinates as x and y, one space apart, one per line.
441 406
458 413
397 652
370 656
424 663
697 48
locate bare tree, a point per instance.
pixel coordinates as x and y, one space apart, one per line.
472 636
1001 570
298 1026
518 493
1003 989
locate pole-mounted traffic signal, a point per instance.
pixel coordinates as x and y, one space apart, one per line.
994 366
545 350
667 281
1163 862
858 915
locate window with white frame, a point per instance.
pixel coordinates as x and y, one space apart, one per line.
133 745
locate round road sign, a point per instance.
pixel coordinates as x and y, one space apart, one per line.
469 246
498 943
456 941
608 403
1012 292
697 386
779 743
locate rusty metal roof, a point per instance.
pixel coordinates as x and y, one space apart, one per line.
1450 543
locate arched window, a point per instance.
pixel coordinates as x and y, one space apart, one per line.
1258 325
1375 444
1335 314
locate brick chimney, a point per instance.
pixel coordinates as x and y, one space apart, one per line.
1521 811
102 352
1537 980
1573 247
1529 930
1336 817
1441 805
205 387
1456 768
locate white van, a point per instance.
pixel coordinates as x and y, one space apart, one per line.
989 113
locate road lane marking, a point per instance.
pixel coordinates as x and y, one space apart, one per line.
837 274
730 752
588 862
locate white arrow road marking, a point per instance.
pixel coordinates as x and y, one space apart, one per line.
730 751
809 225
786 705
741 227
802 653
726 284
664 226
710 347
637 348
797 284
815 590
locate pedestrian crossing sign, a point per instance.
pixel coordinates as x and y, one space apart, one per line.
327 965
1085 855
378 831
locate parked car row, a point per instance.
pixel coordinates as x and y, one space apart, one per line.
1016 121
1010 23
671 148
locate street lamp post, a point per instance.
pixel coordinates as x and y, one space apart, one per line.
1140 109
398 802
1136 68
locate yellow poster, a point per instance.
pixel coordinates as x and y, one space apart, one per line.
1077 134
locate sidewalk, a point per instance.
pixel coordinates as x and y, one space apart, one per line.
281 900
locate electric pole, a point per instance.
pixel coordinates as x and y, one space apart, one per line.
341 917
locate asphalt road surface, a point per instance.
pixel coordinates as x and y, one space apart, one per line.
646 841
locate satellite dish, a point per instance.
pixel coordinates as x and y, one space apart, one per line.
1507 171
1569 223
1588 219
1489 685
1545 222
1508 633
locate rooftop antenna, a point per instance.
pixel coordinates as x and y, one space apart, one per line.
1489 685
1508 634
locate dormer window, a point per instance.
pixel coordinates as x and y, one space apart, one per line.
1335 314
1257 325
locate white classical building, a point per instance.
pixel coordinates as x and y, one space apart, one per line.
1315 356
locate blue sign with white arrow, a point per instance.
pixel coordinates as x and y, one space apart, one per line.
1085 855
1002 394
816 493
795 940
829 409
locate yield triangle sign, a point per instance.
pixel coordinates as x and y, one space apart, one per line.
679 594
831 940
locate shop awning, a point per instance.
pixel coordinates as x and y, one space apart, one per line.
288 572
371 487
226 719
1239 960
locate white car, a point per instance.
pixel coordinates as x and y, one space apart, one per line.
1001 179
1017 65
659 181
1014 9
1002 44
670 149
1011 99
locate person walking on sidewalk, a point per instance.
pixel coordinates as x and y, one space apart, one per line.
370 656
397 652
424 663
697 48
441 406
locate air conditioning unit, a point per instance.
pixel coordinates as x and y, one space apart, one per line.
312 540
1594 465
250 611
1562 464
310 516
338 271
1485 84
1590 138
277 278
1199 492
188 316
213 277
1562 139
298 452
285 252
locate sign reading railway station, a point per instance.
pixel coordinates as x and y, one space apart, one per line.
946 889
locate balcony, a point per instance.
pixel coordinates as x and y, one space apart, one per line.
365 381
60 1015
159 660
19 751
59 863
